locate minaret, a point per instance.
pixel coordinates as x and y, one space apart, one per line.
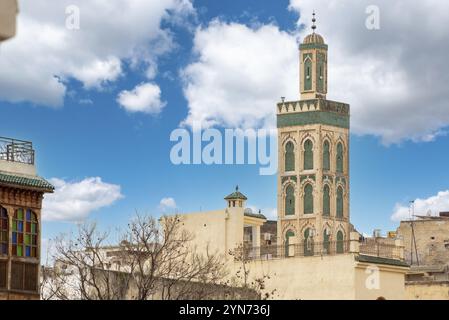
313 142
313 66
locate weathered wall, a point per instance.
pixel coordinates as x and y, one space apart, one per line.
431 290
432 241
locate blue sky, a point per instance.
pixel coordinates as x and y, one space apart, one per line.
81 130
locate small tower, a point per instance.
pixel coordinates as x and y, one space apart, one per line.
313 65
236 199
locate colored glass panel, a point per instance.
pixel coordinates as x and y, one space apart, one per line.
19 251
27 239
14 237
28 251
33 228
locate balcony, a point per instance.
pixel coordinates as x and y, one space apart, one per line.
13 150
367 248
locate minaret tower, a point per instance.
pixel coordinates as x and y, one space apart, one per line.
313 140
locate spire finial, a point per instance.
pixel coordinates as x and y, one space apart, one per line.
313 21
237 188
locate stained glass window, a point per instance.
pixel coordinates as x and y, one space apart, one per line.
24 233
3 231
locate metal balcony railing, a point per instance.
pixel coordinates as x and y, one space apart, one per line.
381 249
308 249
16 150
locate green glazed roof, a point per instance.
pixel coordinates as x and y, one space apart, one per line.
236 195
32 182
255 215
380 260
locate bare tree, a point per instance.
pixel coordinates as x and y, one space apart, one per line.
155 259
242 277
164 264
82 269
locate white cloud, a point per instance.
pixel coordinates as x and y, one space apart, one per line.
167 204
37 62
269 213
394 78
433 205
145 97
74 201
239 74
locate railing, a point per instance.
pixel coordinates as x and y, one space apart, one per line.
381 249
308 249
16 150
368 247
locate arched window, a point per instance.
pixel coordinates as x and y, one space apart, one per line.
326 242
326 156
289 234
308 242
24 234
339 202
340 242
326 201
289 157
308 199
308 73
3 231
290 201
339 158
308 155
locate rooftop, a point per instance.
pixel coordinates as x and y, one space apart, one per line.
14 150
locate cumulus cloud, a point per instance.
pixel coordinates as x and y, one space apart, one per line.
37 63
167 204
239 74
432 205
394 78
74 201
145 98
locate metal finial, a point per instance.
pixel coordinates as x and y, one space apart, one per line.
313 22
236 188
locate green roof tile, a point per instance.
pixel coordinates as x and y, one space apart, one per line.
34 182
236 195
380 260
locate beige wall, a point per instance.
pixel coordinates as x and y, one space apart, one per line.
427 290
219 231
388 282
17 168
432 240
8 12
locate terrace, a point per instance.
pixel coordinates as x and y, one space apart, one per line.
14 150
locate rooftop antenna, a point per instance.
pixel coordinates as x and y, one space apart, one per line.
313 21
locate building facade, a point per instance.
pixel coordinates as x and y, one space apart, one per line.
8 13
21 194
426 245
313 140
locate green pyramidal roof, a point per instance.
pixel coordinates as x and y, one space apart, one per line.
21 181
236 195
